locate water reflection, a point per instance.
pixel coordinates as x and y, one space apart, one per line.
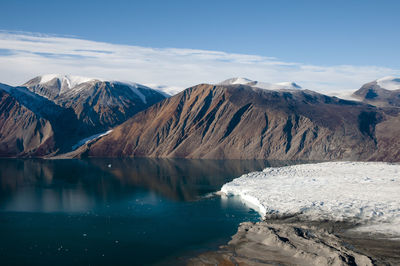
80 185
115 211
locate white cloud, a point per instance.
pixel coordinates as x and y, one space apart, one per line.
25 55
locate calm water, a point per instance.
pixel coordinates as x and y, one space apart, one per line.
116 211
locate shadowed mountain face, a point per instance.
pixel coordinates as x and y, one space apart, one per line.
22 132
373 93
42 118
241 122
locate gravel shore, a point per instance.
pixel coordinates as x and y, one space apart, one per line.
293 242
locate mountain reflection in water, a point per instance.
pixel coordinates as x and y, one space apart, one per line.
78 185
116 211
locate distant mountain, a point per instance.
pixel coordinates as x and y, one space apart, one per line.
261 85
73 107
382 92
244 122
100 105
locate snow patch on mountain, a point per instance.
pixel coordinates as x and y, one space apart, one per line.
89 139
261 85
234 81
135 88
70 80
167 91
345 95
389 83
366 193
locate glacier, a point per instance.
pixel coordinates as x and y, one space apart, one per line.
366 193
90 138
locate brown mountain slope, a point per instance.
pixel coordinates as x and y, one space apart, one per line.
22 132
388 138
238 121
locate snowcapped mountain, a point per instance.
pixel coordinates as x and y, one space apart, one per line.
70 107
389 83
66 82
261 85
57 85
382 92
99 104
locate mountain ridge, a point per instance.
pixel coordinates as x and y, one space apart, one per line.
242 122
220 121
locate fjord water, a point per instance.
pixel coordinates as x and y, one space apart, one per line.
116 211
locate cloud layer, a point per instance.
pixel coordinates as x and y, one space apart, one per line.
25 55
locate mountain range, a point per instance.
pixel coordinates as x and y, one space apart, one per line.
235 119
60 110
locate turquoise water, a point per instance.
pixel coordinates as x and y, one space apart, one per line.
116 211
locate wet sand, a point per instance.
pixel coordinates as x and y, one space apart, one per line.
292 242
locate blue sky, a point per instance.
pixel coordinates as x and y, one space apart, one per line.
358 32
322 45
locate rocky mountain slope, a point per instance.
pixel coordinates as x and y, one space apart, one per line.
69 108
383 92
243 122
22 132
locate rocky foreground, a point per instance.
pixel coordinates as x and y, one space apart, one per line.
285 242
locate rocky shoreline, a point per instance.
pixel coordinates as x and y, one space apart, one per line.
290 241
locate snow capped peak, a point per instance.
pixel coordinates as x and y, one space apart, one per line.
69 80
262 85
238 80
289 85
389 83
70 86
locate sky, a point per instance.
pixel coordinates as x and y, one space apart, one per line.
322 45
